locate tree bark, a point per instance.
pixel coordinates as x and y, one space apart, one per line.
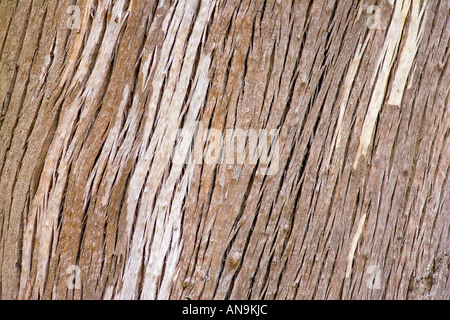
357 201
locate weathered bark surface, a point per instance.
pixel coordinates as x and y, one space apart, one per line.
86 132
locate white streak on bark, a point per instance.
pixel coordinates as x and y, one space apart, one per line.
353 245
157 234
408 53
345 94
45 208
386 61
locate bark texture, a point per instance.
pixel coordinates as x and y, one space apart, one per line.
358 208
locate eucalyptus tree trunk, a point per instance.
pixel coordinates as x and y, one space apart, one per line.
224 149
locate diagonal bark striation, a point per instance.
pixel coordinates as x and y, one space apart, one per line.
357 205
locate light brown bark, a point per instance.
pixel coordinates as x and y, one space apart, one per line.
87 122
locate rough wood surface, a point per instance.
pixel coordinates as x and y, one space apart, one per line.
359 206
